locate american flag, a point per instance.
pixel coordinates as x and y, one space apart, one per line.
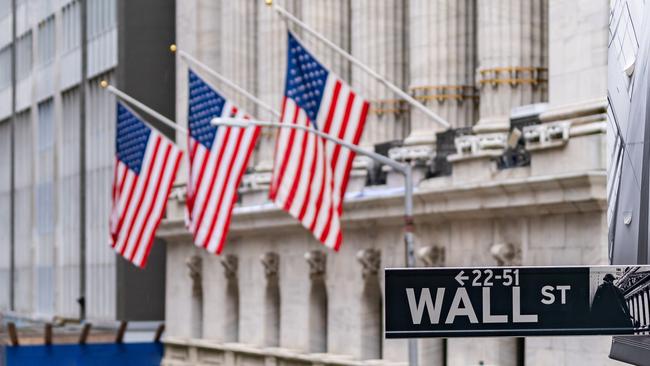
145 168
310 174
218 159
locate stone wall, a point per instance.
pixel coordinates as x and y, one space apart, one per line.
542 217
275 296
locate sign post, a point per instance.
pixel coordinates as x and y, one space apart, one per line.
517 301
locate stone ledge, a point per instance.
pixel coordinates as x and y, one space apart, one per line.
185 352
575 110
563 193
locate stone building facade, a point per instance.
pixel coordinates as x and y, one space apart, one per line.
519 179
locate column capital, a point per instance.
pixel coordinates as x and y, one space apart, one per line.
506 254
194 266
230 266
271 263
317 260
432 255
370 260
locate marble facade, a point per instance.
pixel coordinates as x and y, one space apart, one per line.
277 297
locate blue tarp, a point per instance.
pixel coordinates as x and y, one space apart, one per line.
140 354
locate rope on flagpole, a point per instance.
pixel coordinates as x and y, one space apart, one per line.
292 18
122 95
223 79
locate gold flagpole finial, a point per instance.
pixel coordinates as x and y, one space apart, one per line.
172 48
103 84
268 2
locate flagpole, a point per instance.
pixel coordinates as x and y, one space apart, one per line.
412 101
243 123
223 79
405 169
122 95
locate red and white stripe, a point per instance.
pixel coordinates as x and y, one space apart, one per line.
139 200
215 176
310 174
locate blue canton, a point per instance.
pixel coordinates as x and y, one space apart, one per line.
204 105
131 139
306 79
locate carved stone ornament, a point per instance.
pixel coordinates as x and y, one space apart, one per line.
271 263
431 256
370 260
229 263
506 254
194 270
317 261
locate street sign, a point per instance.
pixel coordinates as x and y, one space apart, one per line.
516 301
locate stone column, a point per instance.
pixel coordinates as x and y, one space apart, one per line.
318 306
512 58
378 40
331 18
442 64
237 49
208 33
271 68
371 305
197 33
195 269
231 308
271 263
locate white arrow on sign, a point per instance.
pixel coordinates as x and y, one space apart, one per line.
460 278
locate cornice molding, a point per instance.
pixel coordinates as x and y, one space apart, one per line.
530 196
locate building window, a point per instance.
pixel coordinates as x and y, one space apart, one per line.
5 67
71 26
101 17
24 56
45 174
46 41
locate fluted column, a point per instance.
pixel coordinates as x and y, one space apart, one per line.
512 58
195 272
378 41
200 37
207 33
442 64
331 18
237 48
271 69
